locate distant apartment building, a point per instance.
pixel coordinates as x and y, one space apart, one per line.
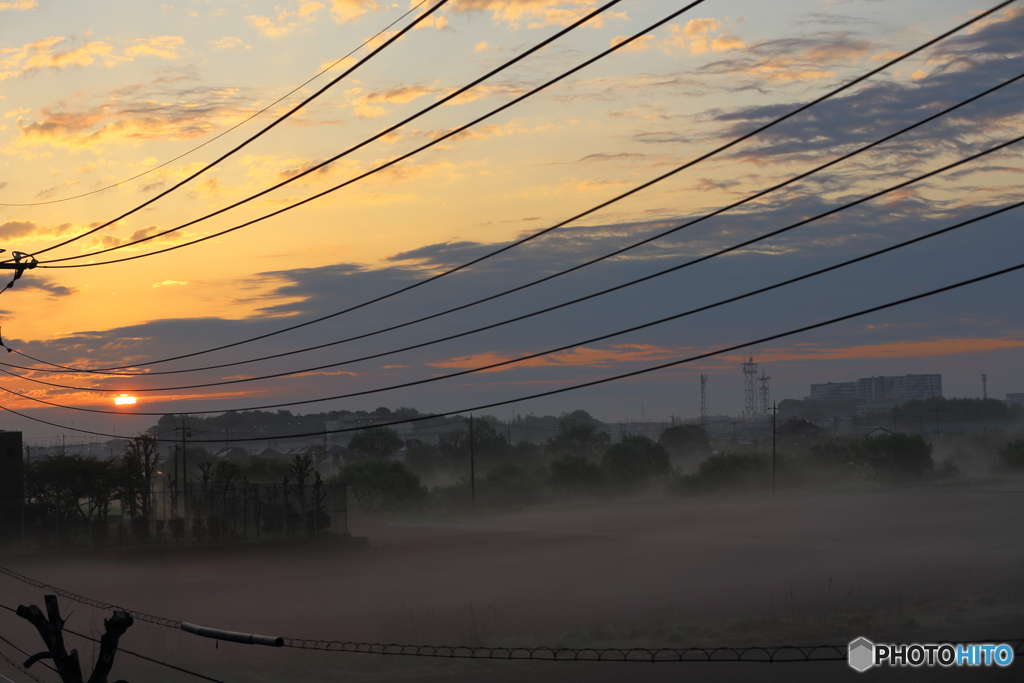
1015 399
881 388
833 391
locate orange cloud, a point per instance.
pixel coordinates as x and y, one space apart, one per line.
57 53
121 119
406 93
287 19
18 5
17 231
579 357
696 34
538 13
345 11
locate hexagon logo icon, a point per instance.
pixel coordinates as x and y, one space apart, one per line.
862 654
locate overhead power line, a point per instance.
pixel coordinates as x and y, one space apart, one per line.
376 51
552 276
237 125
581 385
500 364
491 254
609 290
386 165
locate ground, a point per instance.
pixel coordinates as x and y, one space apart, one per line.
900 565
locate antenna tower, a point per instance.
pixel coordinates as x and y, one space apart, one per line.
984 386
750 388
703 400
766 404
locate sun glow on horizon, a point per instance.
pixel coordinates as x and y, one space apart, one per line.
124 400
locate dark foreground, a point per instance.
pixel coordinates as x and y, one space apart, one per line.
912 565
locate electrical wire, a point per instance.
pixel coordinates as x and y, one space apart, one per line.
432 143
19 668
591 383
437 378
237 125
257 135
27 654
552 276
148 659
531 356
539 233
94 640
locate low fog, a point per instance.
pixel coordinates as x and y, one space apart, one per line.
644 570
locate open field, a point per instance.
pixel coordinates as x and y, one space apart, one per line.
914 564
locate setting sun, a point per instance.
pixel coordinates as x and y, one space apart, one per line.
124 400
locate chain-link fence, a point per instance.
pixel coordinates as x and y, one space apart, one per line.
200 512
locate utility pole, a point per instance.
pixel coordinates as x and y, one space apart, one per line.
472 468
19 267
774 411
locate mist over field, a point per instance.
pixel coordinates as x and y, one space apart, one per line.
800 568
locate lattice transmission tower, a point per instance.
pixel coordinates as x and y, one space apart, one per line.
766 404
750 388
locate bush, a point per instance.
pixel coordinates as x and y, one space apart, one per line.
685 440
507 485
887 457
729 470
636 460
1011 456
511 486
898 457
380 485
577 474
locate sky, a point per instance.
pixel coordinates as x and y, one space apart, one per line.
105 105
